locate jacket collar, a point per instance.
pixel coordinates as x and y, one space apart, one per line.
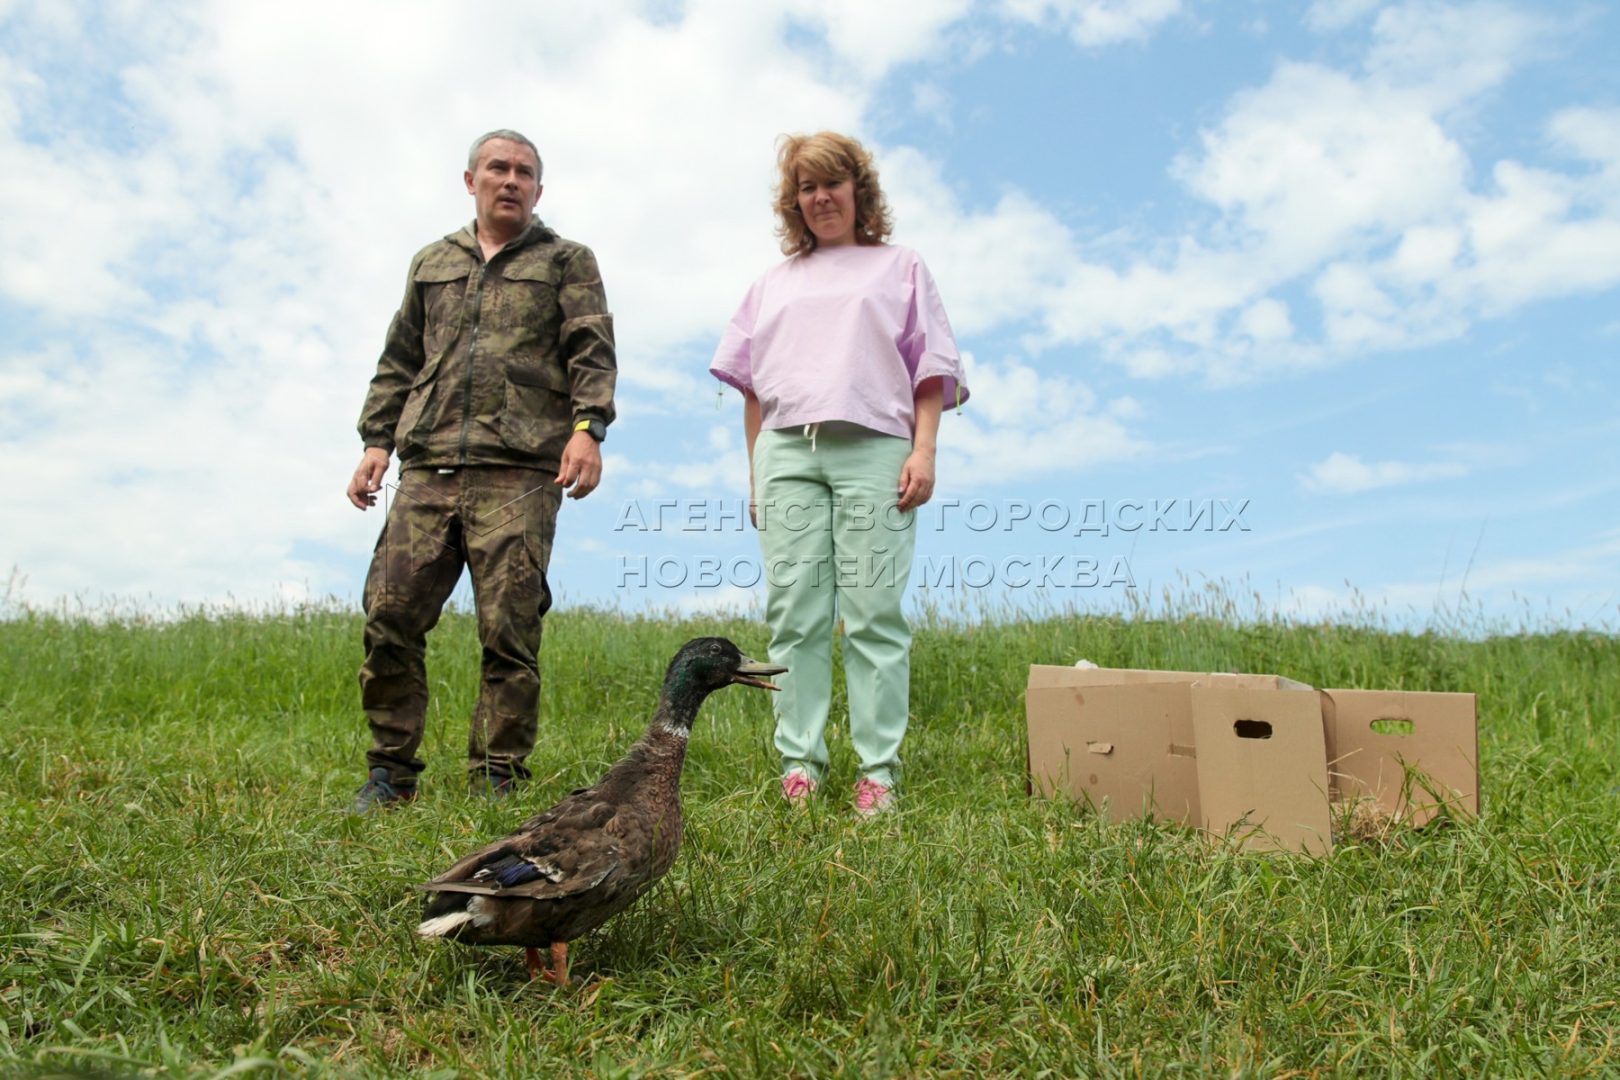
466 237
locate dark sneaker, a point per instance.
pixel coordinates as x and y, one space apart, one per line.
491 785
379 792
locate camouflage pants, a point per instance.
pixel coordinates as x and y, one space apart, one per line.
499 522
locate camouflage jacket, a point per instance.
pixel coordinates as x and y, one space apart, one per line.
493 363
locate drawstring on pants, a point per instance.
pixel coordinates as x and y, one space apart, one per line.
810 433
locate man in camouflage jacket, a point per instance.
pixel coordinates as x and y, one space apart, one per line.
495 388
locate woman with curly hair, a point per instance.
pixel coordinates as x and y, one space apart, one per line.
845 360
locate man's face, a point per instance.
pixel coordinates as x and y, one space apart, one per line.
504 185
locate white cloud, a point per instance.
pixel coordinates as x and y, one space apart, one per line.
877 37
1354 185
1327 16
1315 159
1426 253
1346 474
188 474
1588 133
1532 238
1125 408
1267 320
1447 53
1093 23
1022 423
993 266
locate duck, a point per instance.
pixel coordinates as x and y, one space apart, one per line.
567 870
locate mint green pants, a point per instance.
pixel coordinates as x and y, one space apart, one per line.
836 546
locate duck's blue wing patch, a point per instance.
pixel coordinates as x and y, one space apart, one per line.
516 870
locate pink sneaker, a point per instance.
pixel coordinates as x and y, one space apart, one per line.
872 798
797 788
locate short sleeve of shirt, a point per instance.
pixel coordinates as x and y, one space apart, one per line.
928 345
733 361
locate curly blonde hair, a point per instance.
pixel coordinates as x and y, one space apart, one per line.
827 155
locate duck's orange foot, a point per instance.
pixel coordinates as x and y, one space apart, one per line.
557 974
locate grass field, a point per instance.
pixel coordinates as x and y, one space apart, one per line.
182 895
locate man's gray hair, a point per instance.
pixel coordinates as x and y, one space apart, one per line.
510 136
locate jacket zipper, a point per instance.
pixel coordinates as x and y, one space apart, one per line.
472 356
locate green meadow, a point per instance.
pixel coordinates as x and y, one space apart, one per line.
183 894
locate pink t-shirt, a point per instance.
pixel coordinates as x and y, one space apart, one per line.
843 333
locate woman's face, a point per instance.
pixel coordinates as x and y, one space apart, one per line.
828 207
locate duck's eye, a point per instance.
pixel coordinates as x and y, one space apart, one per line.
714 647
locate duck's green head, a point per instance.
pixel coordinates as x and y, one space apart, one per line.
706 664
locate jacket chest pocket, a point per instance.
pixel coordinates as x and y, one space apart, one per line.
443 286
527 303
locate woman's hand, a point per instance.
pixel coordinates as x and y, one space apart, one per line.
917 475
917 479
751 424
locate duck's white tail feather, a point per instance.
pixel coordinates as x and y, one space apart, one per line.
442 925
477 912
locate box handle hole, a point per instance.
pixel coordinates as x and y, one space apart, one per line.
1252 729
1389 725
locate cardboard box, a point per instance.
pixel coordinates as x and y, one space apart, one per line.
1259 758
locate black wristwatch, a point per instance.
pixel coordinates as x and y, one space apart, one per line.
592 427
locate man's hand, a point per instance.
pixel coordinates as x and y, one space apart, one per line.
368 478
581 466
917 479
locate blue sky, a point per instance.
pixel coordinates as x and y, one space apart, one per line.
1341 276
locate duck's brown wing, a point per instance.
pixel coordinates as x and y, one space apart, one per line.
573 847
